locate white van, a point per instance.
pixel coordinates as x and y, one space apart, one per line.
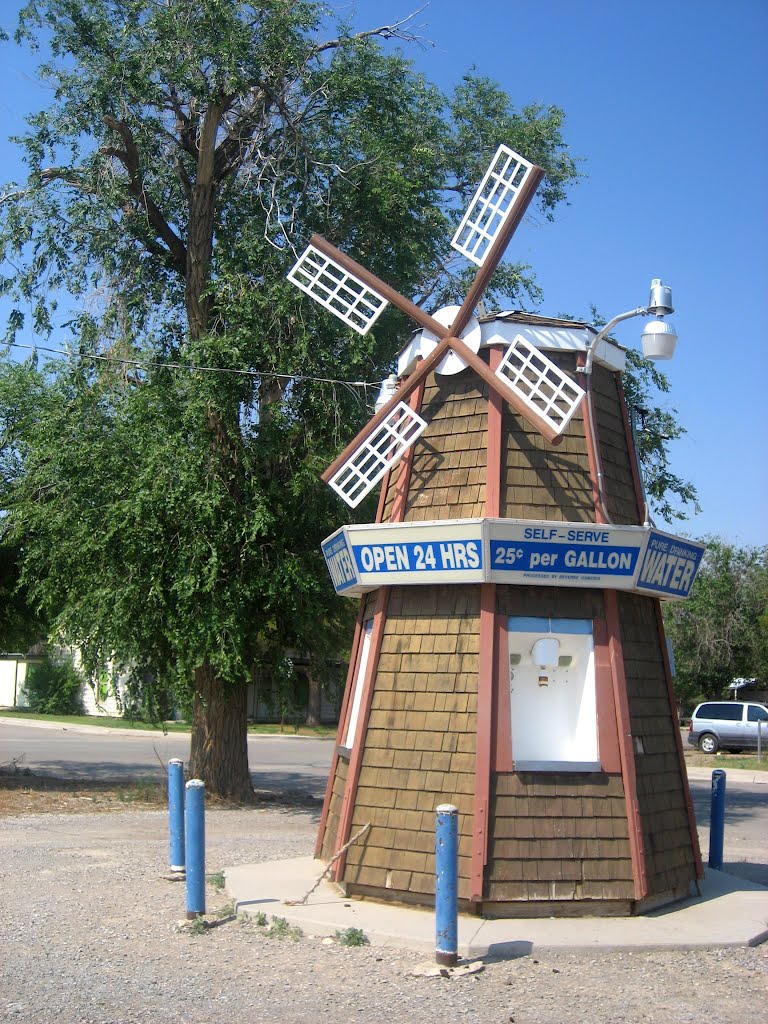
730 724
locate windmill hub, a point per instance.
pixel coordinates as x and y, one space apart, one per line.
424 343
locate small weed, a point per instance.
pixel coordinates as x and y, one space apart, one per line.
352 937
216 880
144 791
228 910
198 926
259 919
281 929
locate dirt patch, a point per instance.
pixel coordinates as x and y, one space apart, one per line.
722 759
22 792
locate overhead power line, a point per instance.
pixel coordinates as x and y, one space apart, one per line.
168 365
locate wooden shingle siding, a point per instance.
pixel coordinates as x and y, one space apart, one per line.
540 480
558 837
420 747
334 807
554 602
617 469
449 460
661 797
369 603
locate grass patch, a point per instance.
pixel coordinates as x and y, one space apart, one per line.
352 937
269 729
722 759
143 791
216 880
106 721
745 761
263 729
281 929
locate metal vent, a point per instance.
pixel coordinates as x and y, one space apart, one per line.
381 449
345 295
540 384
491 205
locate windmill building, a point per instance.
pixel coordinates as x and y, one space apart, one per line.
509 653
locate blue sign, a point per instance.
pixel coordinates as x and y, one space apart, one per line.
512 551
563 559
337 557
425 556
670 565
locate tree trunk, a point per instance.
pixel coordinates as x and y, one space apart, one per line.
202 212
314 695
219 748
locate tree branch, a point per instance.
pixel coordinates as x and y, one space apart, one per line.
129 158
70 175
394 31
230 153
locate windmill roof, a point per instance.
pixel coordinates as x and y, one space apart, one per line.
519 316
554 334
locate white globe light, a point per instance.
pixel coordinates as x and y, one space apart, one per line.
659 339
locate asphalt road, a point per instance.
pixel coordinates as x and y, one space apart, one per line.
745 841
300 764
277 763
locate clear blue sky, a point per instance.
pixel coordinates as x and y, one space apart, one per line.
666 104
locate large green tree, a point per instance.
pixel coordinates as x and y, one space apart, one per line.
655 427
721 631
162 479
20 626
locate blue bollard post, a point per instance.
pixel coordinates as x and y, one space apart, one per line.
447 885
195 843
176 812
717 820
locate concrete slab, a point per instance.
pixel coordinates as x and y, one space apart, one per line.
729 912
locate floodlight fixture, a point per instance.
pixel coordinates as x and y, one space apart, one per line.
659 336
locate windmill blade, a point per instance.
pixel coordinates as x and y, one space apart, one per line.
379 451
374 284
540 384
529 399
493 255
497 196
338 290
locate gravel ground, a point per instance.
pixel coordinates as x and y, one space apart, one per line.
90 936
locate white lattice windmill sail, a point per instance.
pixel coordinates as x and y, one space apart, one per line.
540 384
345 295
377 453
491 205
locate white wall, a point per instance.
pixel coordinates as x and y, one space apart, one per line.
13 674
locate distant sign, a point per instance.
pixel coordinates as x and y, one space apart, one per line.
516 551
669 565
